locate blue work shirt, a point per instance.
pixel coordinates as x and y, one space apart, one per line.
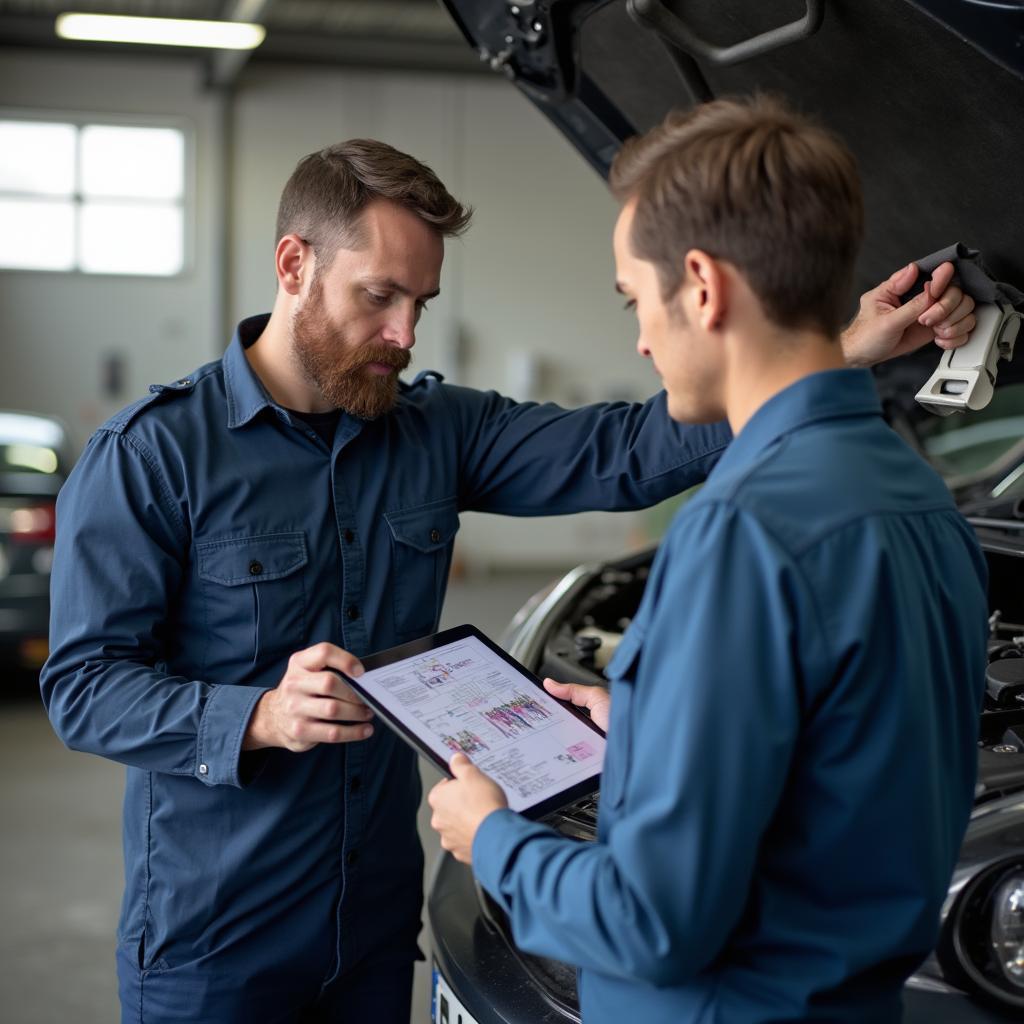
204 536
792 745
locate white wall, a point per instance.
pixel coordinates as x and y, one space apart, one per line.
57 327
527 296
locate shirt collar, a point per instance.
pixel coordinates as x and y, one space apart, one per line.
828 395
245 392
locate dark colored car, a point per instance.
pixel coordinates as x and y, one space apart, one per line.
35 459
929 95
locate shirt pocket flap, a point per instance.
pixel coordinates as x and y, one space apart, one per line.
427 527
270 556
623 664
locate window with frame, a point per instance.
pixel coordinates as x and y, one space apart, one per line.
94 198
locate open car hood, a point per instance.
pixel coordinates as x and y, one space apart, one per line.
929 94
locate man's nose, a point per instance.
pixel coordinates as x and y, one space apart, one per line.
400 329
642 347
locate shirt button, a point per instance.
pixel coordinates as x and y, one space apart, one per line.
352 612
255 568
435 535
349 536
351 857
356 784
203 770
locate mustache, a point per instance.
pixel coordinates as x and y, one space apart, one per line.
396 358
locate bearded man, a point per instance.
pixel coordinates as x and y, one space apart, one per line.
230 541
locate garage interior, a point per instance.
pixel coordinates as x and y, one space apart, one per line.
527 307
524 308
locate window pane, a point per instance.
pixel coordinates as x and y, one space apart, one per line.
37 234
131 238
147 163
37 156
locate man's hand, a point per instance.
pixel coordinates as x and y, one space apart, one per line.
596 699
461 804
884 328
310 704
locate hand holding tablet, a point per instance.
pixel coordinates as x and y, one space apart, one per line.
458 692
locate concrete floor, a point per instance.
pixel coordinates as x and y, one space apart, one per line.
60 852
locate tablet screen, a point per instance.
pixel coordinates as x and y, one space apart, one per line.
464 696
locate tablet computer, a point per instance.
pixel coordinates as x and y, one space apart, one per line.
458 691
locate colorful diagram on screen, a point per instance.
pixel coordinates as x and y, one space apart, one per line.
463 698
521 712
465 741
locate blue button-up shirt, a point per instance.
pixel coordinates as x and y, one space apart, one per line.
792 748
203 537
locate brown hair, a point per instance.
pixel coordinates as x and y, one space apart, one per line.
323 199
756 185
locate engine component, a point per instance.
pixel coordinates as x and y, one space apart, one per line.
596 646
1004 680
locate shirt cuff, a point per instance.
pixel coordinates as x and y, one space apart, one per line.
221 731
495 845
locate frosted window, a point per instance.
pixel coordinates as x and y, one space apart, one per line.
37 234
131 238
99 198
37 157
144 163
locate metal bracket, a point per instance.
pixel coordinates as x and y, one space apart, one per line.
966 376
671 27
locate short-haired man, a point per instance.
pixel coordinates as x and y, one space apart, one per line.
226 543
794 709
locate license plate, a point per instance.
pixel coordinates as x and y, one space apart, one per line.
445 1007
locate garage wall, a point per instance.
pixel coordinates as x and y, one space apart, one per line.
57 328
527 303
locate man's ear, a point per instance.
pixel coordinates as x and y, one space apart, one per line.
293 261
708 288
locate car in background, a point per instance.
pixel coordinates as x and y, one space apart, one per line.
35 459
891 77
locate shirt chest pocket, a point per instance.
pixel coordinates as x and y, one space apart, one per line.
622 670
254 591
421 550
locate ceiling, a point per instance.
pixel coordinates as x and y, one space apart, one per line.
413 34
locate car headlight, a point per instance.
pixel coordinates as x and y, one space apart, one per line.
1008 928
987 933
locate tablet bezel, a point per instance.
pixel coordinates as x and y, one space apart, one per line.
424 645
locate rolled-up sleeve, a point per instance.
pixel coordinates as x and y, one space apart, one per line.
118 562
656 899
524 458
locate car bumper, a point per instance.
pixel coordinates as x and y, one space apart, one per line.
24 619
487 982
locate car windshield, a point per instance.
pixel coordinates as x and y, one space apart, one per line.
977 443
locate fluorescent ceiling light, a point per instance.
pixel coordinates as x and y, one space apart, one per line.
109 28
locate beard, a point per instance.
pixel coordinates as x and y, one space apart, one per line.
339 370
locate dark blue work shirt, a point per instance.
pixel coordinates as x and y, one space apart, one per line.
197 548
792 751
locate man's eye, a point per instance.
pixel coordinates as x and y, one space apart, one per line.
377 298
421 307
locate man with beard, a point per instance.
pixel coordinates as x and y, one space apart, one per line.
228 542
